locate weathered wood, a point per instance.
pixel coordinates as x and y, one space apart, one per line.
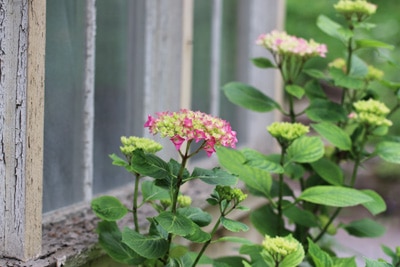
164 59
88 106
22 27
256 17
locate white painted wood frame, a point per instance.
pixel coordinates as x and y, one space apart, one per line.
22 34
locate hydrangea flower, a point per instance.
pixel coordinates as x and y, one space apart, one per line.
187 125
130 144
371 112
374 74
281 43
360 8
286 131
229 193
280 247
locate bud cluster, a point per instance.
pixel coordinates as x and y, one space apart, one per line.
130 144
371 112
286 131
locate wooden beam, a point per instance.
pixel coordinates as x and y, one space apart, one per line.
22 29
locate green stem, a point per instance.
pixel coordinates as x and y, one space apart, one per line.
135 202
323 231
206 244
291 109
280 194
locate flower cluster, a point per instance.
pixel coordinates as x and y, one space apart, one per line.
130 144
228 193
338 63
187 125
280 247
371 112
183 201
374 74
360 8
283 44
286 131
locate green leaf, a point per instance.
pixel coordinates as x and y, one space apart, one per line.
334 196
343 80
234 239
266 221
197 215
364 228
315 73
229 261
333 29
259 160
359 69
117 161
389 151
375 263
295 90
256 178
215 176
263 63
110 239
178 251
152 192
175 224
334 134
295 258
151 247
368 43
377 205
249 97
108 208
319 257
344 262
324 110
149 165
300 216
313 90
198 235
233 226
305 150
329 171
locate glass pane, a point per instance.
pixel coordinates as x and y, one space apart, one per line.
63 105
118 98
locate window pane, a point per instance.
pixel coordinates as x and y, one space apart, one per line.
118 97
63 103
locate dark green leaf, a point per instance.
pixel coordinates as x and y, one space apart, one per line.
333 29
377 205
334 196
150 165
300 216
233 226
329 171
110 239
313 90
198 235
266 221
108 208
319 257
364 228
117 161
175 224
151 247
315 73
152 192
375 263
229 261
249 97
389 151
215 176
334 134
295 90
344 262
305 150
367 43
262 62
343 80
259 160
197 215
234 239
323 110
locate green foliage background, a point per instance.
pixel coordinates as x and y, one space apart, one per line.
301 16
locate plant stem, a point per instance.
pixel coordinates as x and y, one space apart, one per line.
280 194
206 244
135 204
331 219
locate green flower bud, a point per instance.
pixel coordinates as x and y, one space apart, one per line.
374 74
130 144
228 193
184 201
371 112
286 131
359 8
280 247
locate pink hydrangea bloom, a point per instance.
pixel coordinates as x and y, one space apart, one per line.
284 44
192 125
